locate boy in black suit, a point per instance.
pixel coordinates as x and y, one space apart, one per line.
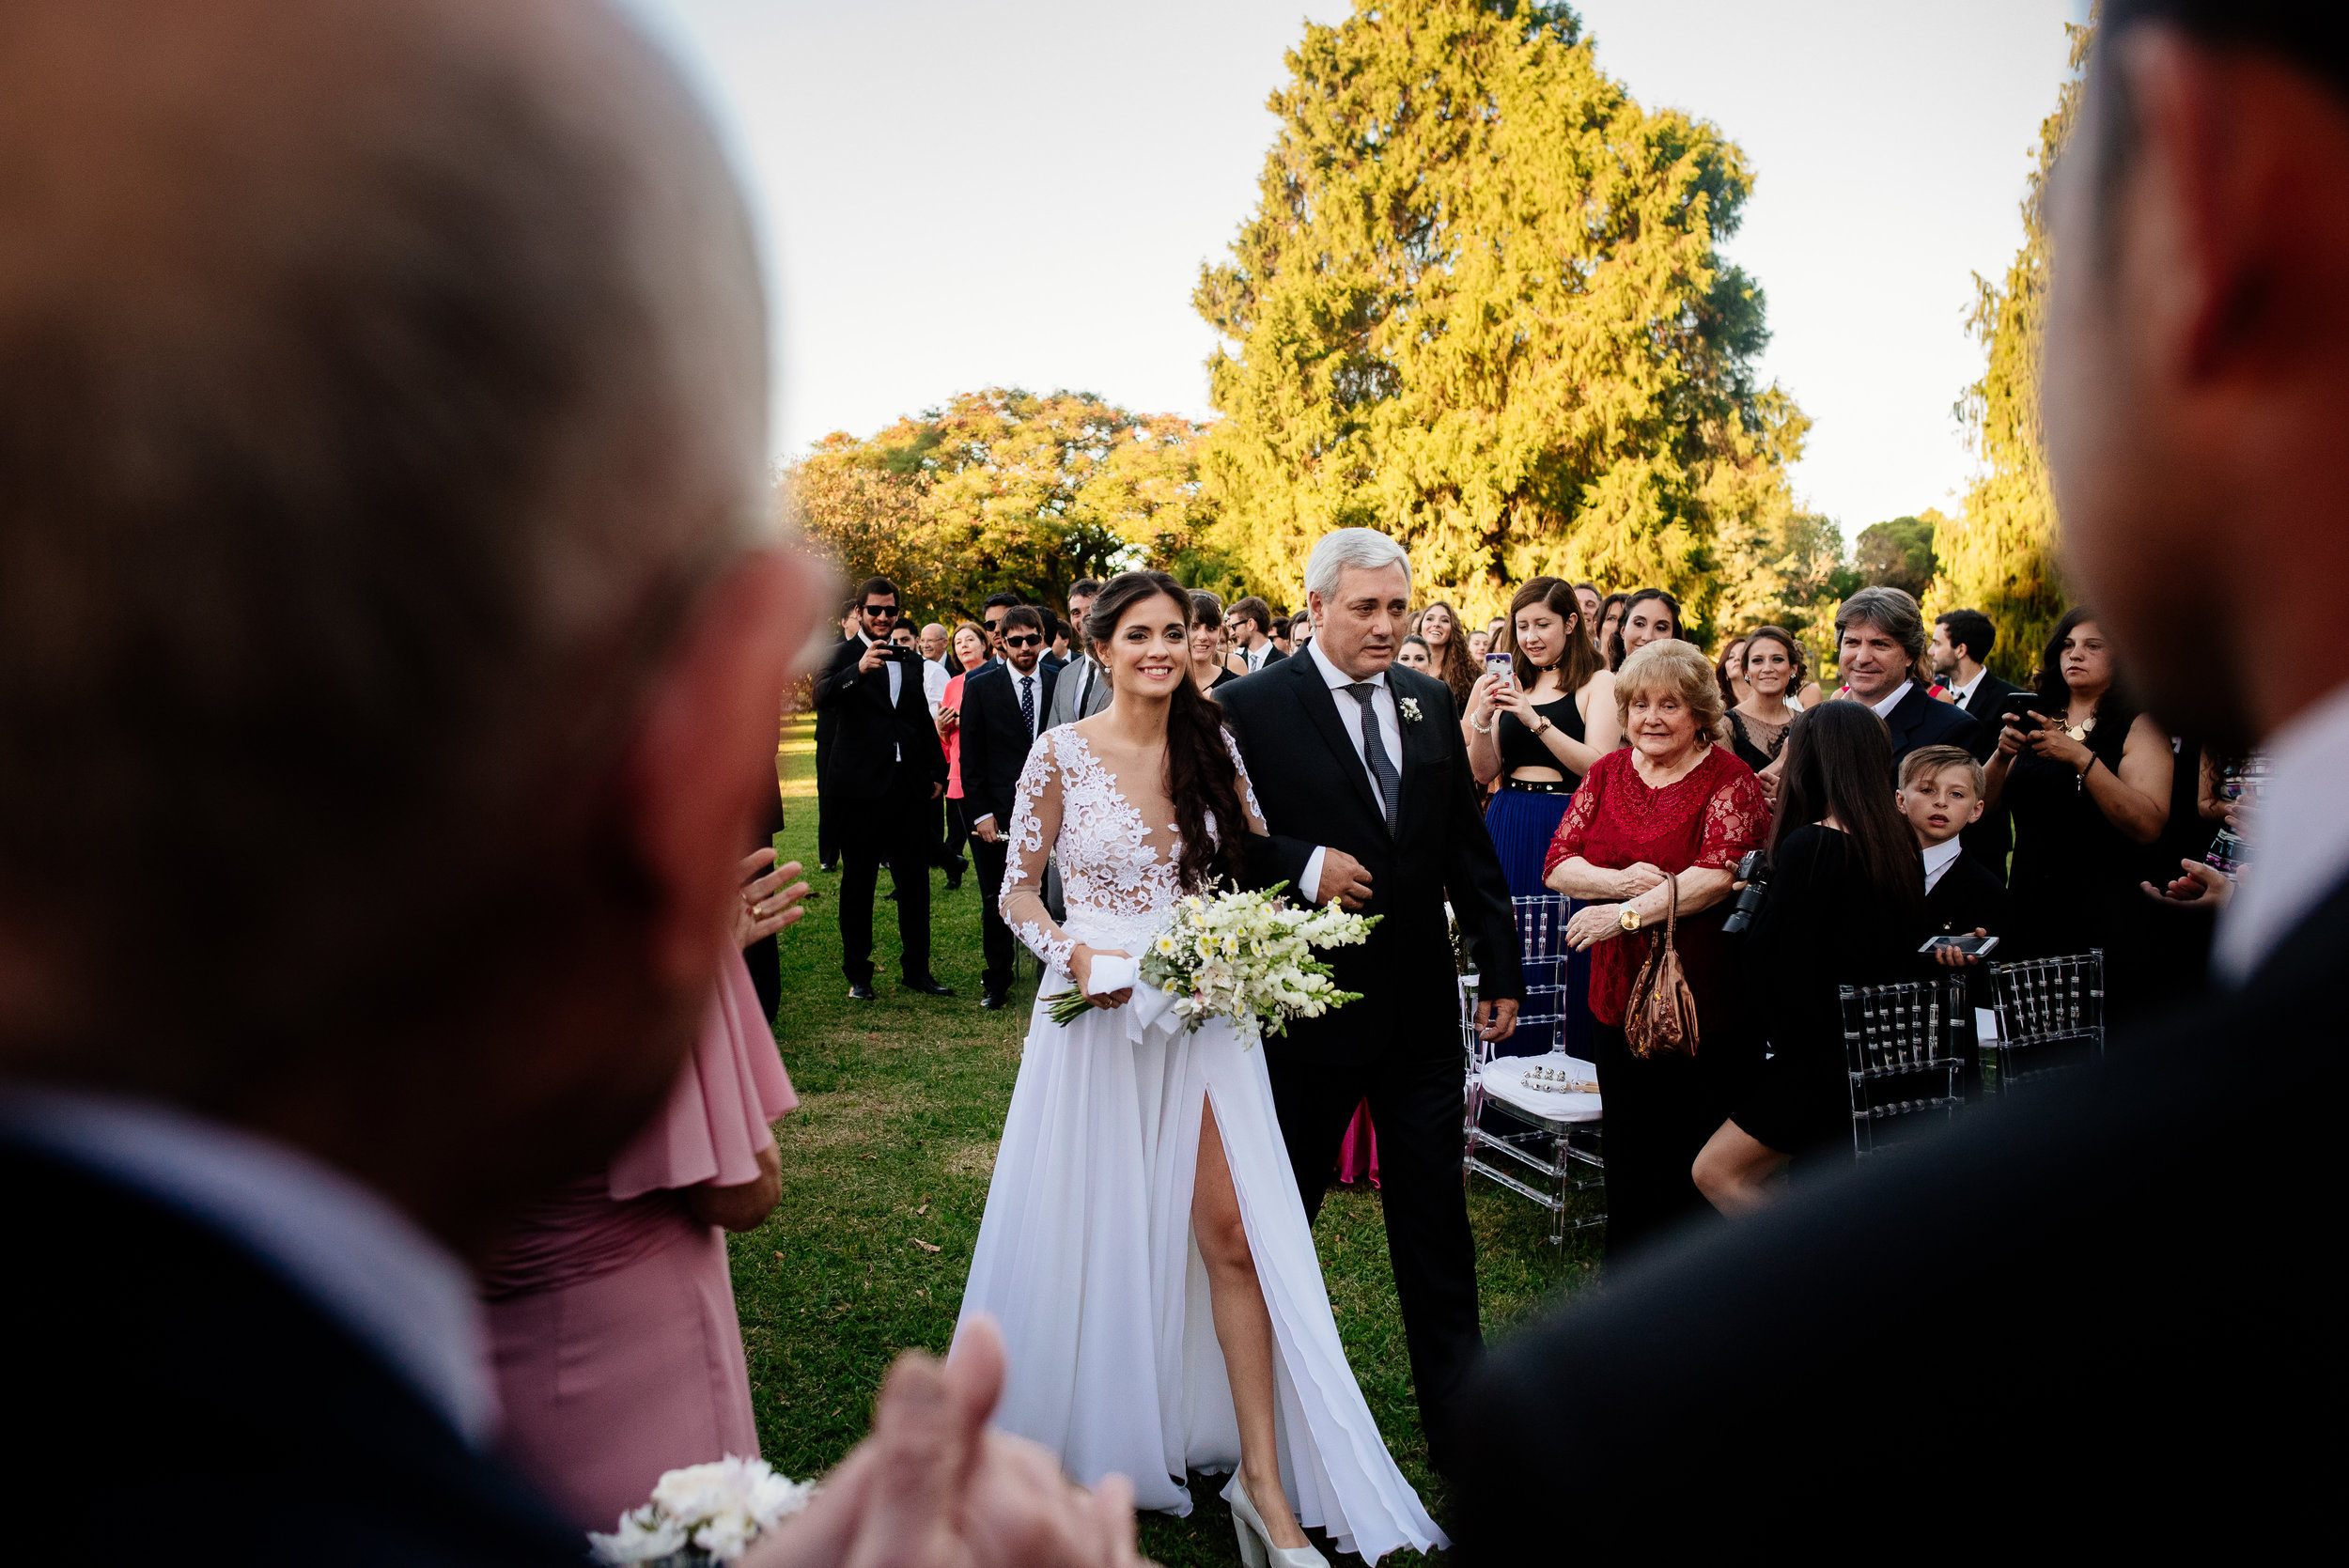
1940 794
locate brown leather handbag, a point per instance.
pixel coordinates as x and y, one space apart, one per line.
1661 1015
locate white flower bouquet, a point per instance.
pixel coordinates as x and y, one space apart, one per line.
704 1514
1246 957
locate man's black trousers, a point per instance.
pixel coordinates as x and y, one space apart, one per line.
897 830
1415 1107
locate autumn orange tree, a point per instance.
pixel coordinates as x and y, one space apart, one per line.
1005 490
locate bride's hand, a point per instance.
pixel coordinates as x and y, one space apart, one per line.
1081 970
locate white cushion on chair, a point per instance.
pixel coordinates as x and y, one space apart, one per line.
1503 1079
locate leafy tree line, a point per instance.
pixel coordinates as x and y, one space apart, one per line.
1480 304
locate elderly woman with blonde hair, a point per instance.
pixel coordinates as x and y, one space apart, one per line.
1674 806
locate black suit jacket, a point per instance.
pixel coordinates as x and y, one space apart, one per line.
1310 783
1984 708
1968 898
1922 718
995 740
195 1407
872 735
2041 1297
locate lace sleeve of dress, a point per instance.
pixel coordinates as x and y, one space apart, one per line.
1736 819
1247 790
1574 828
1035 812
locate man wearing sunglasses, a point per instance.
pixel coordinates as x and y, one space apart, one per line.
887 772
1005 705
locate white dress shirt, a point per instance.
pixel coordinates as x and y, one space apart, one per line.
1255 657
896 680
356 1258
2302 848
1965 694
1884 710
934 679
1350 715
1939 859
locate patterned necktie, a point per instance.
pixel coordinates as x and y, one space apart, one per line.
1375 751
1027 704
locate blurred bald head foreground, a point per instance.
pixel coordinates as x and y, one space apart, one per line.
386 642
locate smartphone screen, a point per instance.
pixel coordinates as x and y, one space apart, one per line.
1974 947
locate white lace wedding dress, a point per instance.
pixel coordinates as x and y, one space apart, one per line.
1085 1255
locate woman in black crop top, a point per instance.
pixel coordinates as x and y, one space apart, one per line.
1538 731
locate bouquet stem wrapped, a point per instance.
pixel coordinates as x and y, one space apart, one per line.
1246 957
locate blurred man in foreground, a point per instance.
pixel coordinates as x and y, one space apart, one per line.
384 614
2100 1312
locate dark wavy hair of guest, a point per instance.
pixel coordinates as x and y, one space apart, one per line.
1616 652
2116 709
1200 775
1578 661
1839 763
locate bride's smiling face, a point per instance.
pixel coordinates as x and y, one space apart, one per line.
1150 649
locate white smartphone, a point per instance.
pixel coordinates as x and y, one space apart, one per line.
1500 664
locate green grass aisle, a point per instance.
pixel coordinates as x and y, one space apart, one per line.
885 1167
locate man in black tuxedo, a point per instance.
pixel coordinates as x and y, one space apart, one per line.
1002 712
2007 1302
1880 644
1365 786
1962 639
383 584
1251 621
888 770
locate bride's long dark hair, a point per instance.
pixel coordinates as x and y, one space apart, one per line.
1200 777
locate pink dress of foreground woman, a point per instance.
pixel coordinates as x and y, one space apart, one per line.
610 1312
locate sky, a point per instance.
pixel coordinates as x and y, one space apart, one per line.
963 194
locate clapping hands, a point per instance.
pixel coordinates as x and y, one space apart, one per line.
934 1487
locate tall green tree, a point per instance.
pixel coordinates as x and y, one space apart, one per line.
1004 488
1899 553
1480 305
1999 555
1784 567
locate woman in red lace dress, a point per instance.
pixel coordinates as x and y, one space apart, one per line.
1676 804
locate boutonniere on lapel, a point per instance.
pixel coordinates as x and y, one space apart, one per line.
1409 707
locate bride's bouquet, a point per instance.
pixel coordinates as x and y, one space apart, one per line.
1246 957
702 1513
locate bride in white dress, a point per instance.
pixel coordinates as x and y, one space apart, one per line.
1144 1250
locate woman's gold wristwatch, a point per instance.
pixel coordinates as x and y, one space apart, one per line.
1630 919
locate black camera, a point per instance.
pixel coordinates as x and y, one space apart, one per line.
1754 870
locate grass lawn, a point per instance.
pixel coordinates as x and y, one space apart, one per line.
885 1168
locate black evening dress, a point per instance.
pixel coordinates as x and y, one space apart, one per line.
1756 744
2075 875
1823 925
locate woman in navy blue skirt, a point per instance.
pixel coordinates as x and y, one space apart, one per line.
1538 730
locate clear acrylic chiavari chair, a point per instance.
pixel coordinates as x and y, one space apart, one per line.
2051 1017
1904 1055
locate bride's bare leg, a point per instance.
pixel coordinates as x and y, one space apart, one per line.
1242 1327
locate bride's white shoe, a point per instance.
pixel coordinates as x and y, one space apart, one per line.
1255 1541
